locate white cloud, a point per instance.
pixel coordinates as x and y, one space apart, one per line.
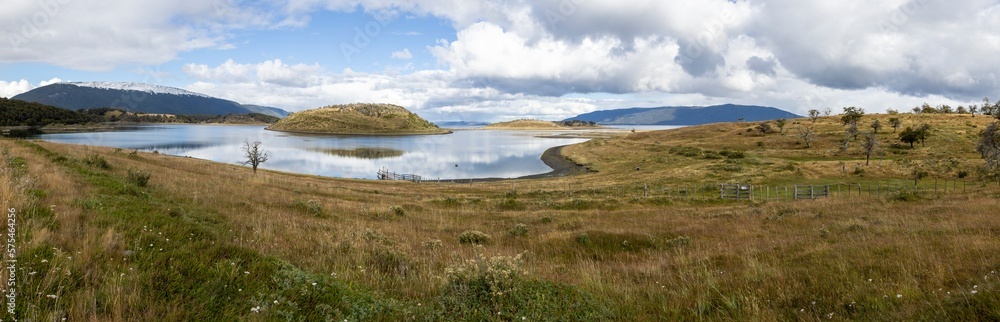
10 89
271 71
402 54
99 35
533 56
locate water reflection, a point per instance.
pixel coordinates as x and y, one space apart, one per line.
463 154
362 153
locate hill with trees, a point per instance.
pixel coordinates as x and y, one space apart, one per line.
138 98
18 113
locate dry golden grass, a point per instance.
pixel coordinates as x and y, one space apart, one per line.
860 258
782 158
526 125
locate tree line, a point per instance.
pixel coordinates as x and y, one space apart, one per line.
22 113
989 138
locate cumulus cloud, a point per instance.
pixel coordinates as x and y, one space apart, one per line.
402 54
533 56
98 35
271 71
10 89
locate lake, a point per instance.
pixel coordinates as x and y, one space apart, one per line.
461 155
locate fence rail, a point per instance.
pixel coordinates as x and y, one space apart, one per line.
385 174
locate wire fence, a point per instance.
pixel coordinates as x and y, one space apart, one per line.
891 188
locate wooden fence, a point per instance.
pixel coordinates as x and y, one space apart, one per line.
385 174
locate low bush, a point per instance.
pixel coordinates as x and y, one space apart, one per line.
474 237
518 230
97 161
138 177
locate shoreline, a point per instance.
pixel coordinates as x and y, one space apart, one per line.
553 157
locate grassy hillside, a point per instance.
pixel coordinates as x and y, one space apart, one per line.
98 242
357 119
525 125
740 152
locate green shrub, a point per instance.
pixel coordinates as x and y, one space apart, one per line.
686 151
389 261
518 230
712 155
474 237
138 177
97 161
399 211
733 154
906 195
432 243
679 241
497 289
311 207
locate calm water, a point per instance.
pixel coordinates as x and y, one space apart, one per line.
463 154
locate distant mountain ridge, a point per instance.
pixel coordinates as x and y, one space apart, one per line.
139 97
685 115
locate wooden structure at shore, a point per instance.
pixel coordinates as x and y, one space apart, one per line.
384 174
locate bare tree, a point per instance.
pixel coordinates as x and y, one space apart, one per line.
807 136
255 154
828 111
870 144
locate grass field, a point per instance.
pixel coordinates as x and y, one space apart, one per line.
208 241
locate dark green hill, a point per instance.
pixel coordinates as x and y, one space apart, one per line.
137 97
20 113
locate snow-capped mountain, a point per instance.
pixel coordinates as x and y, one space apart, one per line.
140 87
138 97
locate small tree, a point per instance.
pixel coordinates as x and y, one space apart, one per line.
923 132
780 123
876 125
814 115
852 131
961 110
828 111
254 154
807 136
989 147
973 109
909 135
852 115
895 123
870 144
764 128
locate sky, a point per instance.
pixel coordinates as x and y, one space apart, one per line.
495 60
